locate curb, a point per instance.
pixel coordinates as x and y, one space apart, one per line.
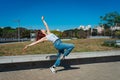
12 63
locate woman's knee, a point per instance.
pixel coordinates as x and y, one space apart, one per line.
72 46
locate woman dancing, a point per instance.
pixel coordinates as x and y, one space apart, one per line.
63 48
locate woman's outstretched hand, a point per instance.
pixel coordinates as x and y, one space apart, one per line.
25 47
42 17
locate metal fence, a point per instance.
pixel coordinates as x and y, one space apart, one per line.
6 40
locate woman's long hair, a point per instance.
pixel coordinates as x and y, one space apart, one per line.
39 35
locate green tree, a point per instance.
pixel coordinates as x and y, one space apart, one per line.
58 33
117 34
24 33
75 33
110 19
68 33
94 32
8 32
1 32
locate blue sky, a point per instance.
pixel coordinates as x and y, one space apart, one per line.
59 14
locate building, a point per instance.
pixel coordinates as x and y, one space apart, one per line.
99 29
115 28
84 27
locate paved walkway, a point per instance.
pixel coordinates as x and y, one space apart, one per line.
46 57
96 71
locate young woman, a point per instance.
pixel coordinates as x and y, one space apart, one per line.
63 48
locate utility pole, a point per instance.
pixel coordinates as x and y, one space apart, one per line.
18 30
18 21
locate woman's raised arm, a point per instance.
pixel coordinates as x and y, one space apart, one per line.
45 24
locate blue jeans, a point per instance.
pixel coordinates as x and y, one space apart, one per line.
63 48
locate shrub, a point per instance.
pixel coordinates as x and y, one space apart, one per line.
109 43
117 34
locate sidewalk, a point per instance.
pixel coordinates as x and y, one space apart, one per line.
46 57
11 63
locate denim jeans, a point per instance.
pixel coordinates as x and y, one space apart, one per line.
63 48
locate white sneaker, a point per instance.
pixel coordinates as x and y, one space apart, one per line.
52 69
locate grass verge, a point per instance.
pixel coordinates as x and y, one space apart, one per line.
81 45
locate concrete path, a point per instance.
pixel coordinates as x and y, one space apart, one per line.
96 71
46 57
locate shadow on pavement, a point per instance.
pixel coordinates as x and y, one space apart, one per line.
68 68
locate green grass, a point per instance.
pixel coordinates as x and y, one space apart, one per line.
81 45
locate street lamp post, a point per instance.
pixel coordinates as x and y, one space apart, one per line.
18 21
18 30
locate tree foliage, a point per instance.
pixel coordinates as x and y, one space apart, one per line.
74 33
117 33
9 32
58 33
110 19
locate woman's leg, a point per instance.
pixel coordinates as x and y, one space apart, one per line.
57 63
67 48
64 49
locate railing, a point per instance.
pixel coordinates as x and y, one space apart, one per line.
5 40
